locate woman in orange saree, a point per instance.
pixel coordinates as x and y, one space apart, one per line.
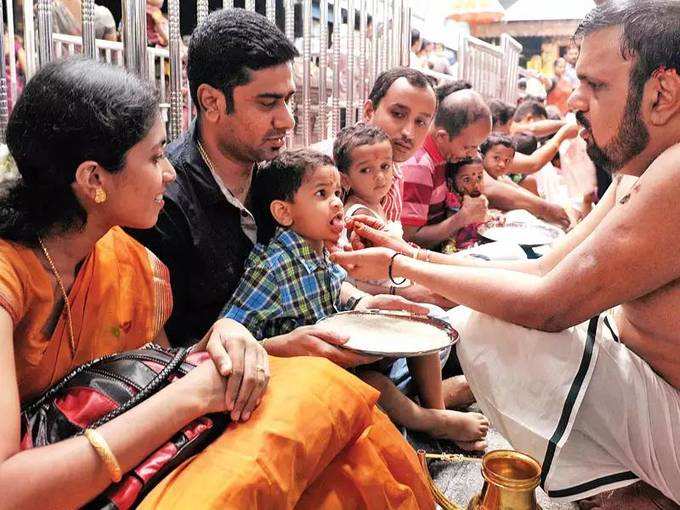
88 142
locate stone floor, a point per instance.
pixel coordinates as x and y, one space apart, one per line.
460 481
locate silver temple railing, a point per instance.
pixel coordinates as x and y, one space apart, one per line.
333 72
346 67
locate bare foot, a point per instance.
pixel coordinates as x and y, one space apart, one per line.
454 425
472 446
457 392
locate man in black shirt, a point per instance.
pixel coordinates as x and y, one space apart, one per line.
241 80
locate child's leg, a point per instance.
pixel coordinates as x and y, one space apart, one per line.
466 429
426 373
453 392
457 392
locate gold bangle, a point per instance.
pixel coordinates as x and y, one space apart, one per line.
105 454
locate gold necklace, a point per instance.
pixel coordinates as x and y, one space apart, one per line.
63 292
211 167
205 157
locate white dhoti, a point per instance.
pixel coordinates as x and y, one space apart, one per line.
590 410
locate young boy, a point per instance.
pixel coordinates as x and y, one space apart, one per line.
497 151
290 282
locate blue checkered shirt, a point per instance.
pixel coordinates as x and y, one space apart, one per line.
286 285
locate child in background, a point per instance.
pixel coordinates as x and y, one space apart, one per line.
290 282
363 154
157 25
465 181
497 151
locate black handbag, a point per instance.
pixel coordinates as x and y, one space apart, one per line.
97 392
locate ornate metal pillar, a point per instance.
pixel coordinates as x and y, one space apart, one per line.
45 46
134 37
89 44
176 100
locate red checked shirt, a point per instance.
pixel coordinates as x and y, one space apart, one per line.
424 187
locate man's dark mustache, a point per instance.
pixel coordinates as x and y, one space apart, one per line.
405 142
581 119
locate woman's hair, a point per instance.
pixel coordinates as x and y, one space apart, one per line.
496 139
280 179
71 111
351 137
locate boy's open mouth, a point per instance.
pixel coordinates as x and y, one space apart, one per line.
337 222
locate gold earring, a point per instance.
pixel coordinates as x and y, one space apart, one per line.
100 196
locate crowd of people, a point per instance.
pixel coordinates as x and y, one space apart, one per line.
227 241
431 55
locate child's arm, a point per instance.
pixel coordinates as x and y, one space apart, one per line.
523 164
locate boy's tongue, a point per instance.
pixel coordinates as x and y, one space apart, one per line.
337 224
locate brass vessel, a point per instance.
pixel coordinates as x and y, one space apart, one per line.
510 481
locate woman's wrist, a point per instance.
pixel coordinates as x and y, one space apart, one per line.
187 399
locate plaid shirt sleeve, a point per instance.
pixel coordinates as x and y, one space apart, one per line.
256 300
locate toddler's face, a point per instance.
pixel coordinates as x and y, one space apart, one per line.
371 173
316 209
469 180
497 160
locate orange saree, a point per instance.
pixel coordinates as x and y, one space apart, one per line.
120 299
317 441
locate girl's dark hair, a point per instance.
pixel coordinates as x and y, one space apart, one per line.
279 179
351 137
496 139
453 168
72 111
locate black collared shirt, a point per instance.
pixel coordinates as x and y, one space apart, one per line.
200 238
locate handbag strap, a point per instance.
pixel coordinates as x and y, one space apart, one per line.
50 394
149 390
